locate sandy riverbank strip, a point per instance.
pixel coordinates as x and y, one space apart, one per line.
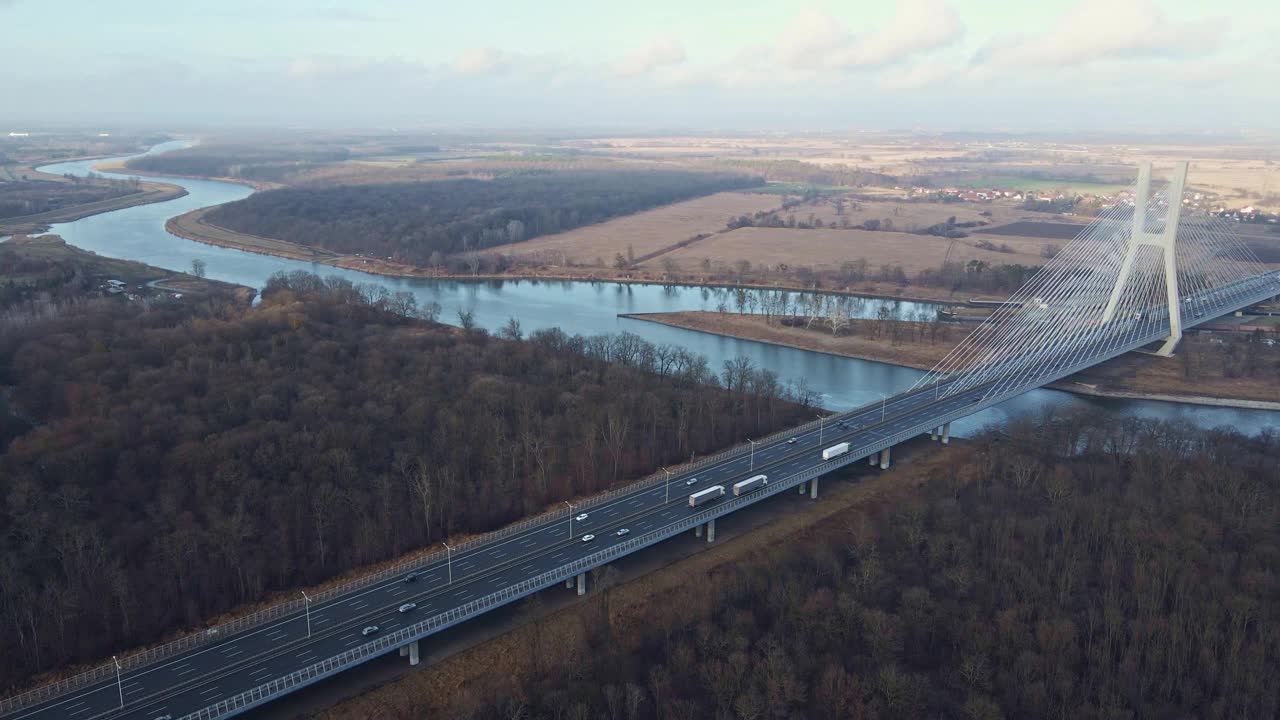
1103 383
152 192
192 226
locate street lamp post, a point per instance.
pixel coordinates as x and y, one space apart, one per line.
753 453
821 420
566 502
884 399
119 681
308 601
448 554
668 472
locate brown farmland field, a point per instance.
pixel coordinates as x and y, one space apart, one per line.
826 249
645 232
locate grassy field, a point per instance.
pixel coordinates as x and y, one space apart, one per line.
828 248
1015 182
645 232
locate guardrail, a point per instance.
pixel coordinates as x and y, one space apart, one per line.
290 607
362 653
286 608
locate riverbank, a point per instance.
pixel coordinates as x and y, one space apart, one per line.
192 226
1130 377
122 168
151 192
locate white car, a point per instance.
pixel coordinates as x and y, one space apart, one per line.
588 538
792 441
691 481
581 517
369 630
408 606
623 531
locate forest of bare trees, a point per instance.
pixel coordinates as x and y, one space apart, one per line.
188 458
410 221
1083 567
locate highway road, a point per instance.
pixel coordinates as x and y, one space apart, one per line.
203 676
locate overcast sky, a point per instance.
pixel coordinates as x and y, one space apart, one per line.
647 64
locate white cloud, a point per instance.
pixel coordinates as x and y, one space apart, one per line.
657 54
481 61
815 40
1100 30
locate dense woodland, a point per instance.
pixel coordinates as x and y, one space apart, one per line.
1092 567
189 458
36 196
419 222
229 160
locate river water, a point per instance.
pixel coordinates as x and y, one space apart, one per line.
138 233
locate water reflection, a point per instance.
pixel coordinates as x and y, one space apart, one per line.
589 307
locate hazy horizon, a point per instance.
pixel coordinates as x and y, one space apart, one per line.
920 64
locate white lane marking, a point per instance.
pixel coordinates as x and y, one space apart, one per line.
82 702
260 671
84 709
321 621
391 625
399 592
233 654
211 691
304 652
135 690
499 555
188 670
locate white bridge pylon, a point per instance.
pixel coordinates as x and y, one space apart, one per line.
1165 241
1136 275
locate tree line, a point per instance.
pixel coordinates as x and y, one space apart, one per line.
191 458
1083 566
231 160
421 222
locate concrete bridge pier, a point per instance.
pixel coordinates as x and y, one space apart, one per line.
933 433
813 489
697 530
569 583
582 583
800 488
946 434
404 651
414 659
711 530
884 458
871 459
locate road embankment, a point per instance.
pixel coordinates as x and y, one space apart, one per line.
1129 377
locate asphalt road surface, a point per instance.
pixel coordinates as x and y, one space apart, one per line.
203 676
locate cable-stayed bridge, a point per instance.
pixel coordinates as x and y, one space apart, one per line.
1137 276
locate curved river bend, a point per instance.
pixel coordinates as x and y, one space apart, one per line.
138 233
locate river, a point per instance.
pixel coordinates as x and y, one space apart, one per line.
138 233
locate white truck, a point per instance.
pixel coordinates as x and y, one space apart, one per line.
745 486
714 492
835 450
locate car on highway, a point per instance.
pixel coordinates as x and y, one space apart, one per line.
622 531
408 606
792 441
166 716
411 577
976 398
369 630
588 537
581 517
691 481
